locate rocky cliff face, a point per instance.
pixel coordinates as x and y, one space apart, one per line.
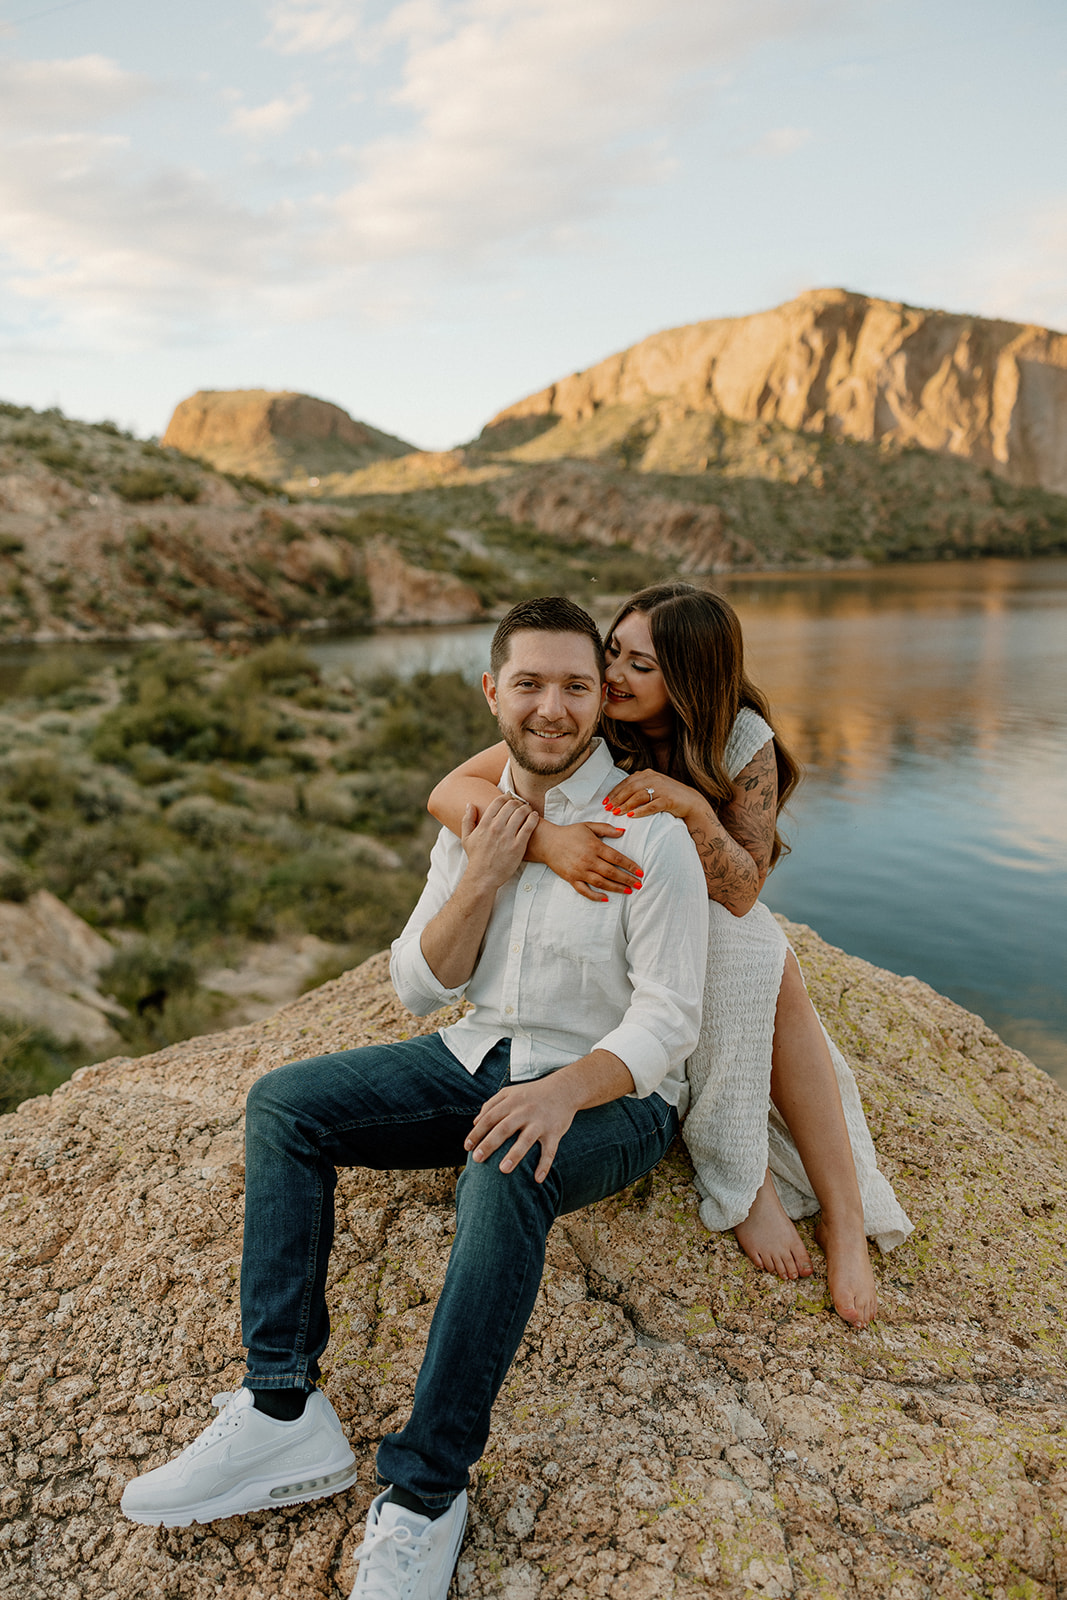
276 435
852 366
675 1423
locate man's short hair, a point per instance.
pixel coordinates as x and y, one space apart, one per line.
549 613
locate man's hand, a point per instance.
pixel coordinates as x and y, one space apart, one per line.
496 840
495 843
539 1112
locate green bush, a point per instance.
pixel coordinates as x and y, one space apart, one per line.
281 667
42 781
433 720
33 1061
144 975
141 484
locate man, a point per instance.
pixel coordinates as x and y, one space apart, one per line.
562 1085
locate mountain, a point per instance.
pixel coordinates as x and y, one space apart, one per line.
829 362
276 435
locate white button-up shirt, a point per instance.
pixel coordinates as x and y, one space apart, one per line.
561 975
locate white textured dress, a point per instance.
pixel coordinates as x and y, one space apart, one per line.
733 1131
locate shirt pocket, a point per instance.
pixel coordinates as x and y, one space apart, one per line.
583 930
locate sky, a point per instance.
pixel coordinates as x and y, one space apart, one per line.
424 211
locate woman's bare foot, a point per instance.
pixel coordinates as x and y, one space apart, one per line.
769 1239
848 1272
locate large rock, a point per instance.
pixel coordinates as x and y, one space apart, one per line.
676 1423
50 959
275 434
401 592
994 392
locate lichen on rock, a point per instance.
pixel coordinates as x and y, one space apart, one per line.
675 1424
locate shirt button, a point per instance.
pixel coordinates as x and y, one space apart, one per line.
515 949
527 887
508 1010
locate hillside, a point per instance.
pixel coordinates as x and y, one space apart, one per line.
837 429
282 437
830 362
675 1424
103 536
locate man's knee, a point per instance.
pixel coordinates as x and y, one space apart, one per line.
484 1189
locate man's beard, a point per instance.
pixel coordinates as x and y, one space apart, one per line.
545 767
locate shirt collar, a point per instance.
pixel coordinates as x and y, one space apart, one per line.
582 786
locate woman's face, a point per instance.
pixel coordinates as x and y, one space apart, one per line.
636 691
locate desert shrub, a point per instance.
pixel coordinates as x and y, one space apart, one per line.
40 780
33 1061
92 867
141 484
209 822
162 669
187 726
15 882
431 720
11 545
144 975
388 801
51 674
342 899
181 1016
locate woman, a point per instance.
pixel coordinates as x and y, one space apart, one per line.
770 1092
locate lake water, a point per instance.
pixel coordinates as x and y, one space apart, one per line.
928 705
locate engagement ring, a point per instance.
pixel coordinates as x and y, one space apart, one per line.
652 794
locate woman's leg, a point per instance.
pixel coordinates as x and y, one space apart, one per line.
804 1088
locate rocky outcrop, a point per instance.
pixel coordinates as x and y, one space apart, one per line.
574 501
850 365
675 1423
402 593
276 435
49 963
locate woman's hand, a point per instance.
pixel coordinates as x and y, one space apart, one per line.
579 853
641 794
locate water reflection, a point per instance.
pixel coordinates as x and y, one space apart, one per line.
927 705
930 835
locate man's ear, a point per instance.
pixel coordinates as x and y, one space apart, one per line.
489 690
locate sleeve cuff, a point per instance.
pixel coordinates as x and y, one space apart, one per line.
641 1053
414 981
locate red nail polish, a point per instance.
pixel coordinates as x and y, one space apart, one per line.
627 891
629 813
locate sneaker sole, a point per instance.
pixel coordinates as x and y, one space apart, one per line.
259 1496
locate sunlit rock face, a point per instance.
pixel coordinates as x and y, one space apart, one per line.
854 366
676 1423
276 435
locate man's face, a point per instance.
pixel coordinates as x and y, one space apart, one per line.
546 699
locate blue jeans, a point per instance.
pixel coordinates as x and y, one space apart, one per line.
411 1105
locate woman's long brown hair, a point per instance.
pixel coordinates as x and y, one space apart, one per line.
697 638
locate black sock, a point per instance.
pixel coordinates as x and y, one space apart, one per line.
411 1502
284 1405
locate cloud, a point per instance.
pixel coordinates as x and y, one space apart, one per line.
301 27
777 142
530 117
276 116
513 125
1024 279
102 246
51 95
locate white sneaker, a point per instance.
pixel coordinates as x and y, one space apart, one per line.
245 1461
407 1557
